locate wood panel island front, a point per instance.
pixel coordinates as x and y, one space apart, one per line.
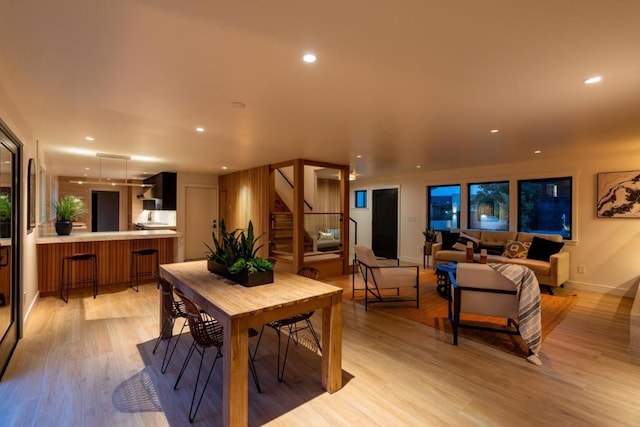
113 253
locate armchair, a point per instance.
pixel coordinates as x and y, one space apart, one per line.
379 277
500 290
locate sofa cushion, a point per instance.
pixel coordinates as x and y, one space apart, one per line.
335 232
516 249
449 239
497 238
542 249
325 236
528 237
539 268
451 255
461 244
492 249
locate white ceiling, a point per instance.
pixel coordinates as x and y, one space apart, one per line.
405 83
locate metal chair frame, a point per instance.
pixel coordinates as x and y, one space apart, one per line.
66 280
206 332
174 310
135 272
292 324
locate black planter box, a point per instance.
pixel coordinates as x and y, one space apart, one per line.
244 278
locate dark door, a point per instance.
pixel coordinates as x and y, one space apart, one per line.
105 211
10 228
384 227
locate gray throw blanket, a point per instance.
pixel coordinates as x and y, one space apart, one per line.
530 323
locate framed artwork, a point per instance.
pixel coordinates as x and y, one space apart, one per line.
619 194
31 205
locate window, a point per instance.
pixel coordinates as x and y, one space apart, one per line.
544 206
489 206
361 198
443 206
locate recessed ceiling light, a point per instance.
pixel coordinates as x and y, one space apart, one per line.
359 156
89 138
537 152
87 169
224 168
593 80
199 129
495 130
309 58
418 166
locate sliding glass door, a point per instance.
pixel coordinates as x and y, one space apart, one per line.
10 170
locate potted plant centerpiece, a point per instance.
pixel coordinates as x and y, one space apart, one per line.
235 257
430 237
67 210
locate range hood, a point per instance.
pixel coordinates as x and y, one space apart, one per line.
162 194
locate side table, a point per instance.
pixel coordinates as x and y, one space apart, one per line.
443 283
426 253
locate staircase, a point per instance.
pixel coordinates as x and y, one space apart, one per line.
282 229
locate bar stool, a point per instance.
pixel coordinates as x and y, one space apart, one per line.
136 257
66 275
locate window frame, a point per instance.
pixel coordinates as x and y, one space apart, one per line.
455 214
507 204
355 199
572 232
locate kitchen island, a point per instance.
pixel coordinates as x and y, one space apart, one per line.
113 251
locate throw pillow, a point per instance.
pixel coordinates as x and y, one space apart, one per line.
461 244
335 232
516 249
542 249
449 239
325 236
492 249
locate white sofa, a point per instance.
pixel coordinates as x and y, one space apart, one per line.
549 273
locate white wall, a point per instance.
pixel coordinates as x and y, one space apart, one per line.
608 248
12 118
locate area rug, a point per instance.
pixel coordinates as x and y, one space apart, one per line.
433 312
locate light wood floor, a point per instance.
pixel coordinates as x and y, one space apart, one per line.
89 363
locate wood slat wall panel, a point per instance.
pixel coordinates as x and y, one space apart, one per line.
113 258
245 196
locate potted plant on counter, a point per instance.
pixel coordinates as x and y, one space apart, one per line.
67 210
430 237
235 257
5 216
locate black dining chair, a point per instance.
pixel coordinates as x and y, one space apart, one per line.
293 325
207 332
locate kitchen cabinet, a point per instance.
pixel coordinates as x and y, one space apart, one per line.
164 188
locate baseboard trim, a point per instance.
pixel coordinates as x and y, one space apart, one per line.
29 310
601 289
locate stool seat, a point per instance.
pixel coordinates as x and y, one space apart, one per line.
136 258
66 276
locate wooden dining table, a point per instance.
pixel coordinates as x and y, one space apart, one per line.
239 308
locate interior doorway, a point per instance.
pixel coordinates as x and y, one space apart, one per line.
201 212
105 210
384 224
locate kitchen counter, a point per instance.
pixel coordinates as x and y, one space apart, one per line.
153 226
87 236
113 252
